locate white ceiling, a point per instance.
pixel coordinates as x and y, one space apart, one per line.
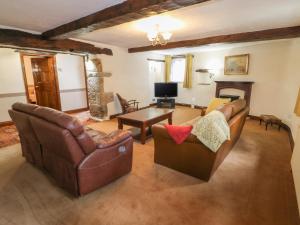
211 18
42 15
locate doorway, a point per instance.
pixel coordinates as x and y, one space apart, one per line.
40 80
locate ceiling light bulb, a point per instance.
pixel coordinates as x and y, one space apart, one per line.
152 35
167 35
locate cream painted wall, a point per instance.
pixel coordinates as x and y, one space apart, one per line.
10 72
70 70
70 74
274 67
296 165
11 81
291 87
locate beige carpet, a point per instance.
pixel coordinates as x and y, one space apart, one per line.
252 187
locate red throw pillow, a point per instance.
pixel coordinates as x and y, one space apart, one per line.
179 133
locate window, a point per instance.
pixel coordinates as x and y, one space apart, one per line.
156 71
155 67
177 70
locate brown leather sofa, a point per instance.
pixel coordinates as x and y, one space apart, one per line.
192 157
78 158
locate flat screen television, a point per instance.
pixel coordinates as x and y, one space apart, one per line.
167 90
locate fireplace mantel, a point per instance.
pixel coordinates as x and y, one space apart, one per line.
245 86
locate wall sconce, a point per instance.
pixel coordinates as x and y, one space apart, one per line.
206 76
297 106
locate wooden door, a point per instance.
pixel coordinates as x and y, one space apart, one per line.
45 81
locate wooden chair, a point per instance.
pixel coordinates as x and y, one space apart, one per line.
128 106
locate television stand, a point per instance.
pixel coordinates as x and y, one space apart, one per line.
166 103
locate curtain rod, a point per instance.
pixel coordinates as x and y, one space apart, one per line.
173 57
179 56
156 60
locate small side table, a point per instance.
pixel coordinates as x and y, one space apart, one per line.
270 119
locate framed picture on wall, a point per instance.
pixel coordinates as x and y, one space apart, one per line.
236 65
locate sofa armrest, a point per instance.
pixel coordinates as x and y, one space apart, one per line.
160 132
101 156
111 139
105 165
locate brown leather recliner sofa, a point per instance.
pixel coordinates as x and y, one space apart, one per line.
192 157
79 159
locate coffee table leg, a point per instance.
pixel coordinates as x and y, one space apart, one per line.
170 119
143 134
120 124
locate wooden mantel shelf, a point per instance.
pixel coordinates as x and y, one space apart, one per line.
245 86
233 81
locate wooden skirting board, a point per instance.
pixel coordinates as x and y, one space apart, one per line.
76 110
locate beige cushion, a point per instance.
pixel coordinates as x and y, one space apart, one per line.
216 103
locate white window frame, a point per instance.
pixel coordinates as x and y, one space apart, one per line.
177 70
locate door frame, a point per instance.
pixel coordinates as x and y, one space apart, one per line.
22 55
86 83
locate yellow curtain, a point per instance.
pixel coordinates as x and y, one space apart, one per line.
168 62
187 83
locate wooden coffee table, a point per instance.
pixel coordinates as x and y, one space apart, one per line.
145 118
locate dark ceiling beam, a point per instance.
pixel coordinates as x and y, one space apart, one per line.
18 38
124 12
262 35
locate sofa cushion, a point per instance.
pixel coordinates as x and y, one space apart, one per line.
237 106
191 122
226 110
215 103
59 118
26 108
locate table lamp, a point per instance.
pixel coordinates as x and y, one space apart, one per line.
297 106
